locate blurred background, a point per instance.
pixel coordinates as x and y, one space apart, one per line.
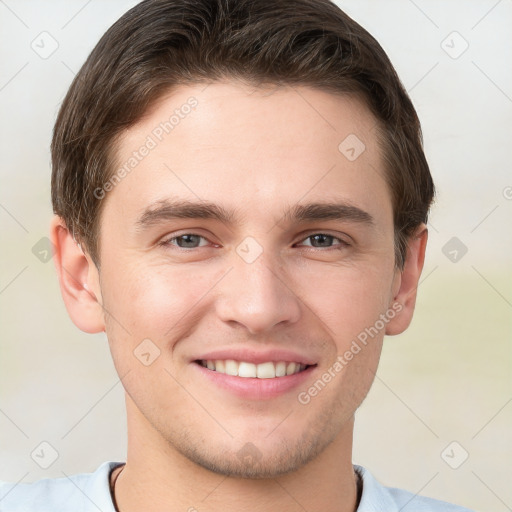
438 418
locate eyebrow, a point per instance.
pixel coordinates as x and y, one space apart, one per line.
167 209
328 211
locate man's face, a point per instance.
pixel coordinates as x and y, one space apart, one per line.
261 287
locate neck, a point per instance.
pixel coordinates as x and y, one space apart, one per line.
156 476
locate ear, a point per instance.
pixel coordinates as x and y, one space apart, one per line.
78 278
406 282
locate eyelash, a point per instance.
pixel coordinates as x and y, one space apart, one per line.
167 242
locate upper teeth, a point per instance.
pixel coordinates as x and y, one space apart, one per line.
267 370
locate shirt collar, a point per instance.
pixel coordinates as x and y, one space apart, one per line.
375 497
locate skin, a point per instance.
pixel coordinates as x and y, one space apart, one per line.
258 152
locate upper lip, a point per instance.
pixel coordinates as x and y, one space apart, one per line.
256 356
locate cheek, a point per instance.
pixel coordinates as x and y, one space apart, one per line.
149 311
348 299
161 304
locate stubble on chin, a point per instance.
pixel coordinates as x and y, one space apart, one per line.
270 457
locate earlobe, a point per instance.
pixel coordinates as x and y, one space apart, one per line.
408 280
78 279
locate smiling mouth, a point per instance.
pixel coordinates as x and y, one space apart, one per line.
267 370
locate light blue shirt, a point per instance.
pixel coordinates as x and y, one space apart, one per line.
90 492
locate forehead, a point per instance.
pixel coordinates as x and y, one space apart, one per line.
250 149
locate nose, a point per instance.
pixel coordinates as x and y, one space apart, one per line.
258 296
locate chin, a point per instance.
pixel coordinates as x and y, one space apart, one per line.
265 457
249 462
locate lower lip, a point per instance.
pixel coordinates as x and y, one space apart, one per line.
252 388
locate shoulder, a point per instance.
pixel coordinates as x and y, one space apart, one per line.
82 492
377 498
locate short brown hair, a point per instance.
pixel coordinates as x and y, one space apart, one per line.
160 44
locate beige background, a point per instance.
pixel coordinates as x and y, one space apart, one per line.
448 378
